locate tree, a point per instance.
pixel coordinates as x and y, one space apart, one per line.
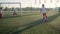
59 9
12 8
6 9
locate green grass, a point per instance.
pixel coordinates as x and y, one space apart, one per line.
41 29
52 27
13 24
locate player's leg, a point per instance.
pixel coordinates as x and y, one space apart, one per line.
0 15
44 17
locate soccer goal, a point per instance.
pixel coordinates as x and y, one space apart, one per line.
10 8
16 8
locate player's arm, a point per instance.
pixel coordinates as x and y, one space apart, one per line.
46 10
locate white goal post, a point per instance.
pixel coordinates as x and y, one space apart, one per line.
12 3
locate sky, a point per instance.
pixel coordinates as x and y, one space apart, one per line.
32 3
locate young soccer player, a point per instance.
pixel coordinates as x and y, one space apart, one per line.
44 13
0 12
14 13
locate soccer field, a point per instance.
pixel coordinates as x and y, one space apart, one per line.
30 24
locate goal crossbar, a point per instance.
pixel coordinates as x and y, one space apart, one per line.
10 2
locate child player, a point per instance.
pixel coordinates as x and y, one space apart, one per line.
14 13
0 12
44 13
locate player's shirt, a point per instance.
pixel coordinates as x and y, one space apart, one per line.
43 10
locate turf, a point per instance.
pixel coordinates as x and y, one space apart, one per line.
51 27
13 24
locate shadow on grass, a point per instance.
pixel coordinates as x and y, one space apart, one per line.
38 22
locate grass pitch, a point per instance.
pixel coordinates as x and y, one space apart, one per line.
19 24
